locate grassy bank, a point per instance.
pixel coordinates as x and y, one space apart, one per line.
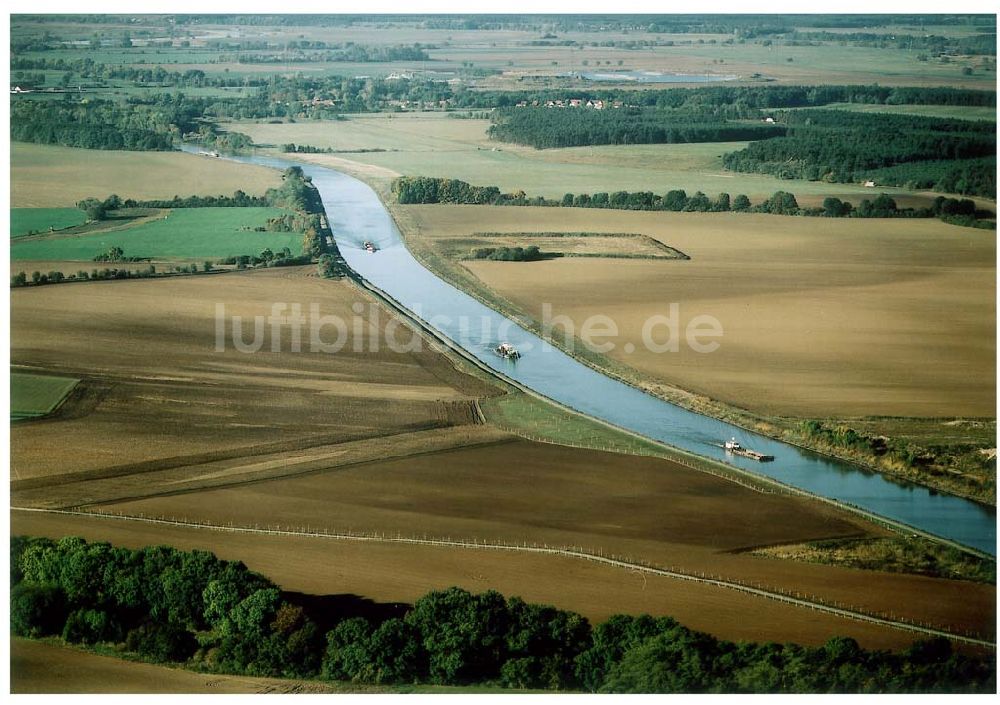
896 554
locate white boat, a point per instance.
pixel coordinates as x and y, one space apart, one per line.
507 351
732 446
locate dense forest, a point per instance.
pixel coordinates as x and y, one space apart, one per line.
835 146
171 606
423 189
574 127
98 125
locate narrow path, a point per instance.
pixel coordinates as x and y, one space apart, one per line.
797 599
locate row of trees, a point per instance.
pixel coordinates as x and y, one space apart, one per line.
298 193
975 177
844 147
55 277
422 189
192 608
358 53
531 253
573 127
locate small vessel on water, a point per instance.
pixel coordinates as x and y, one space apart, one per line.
732 446
507 351
370 247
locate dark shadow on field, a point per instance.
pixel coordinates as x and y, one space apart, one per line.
327 610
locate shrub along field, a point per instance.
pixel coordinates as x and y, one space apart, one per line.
24 221
182 232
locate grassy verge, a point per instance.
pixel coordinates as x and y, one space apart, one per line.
33 396
538 420
895 554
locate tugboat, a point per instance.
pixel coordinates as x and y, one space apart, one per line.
507 351
370 247
731 446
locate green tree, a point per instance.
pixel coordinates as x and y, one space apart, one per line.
37 610
463 634
741 203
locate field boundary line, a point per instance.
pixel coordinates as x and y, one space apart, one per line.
793 598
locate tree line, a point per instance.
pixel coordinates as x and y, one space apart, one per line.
429 190
293 96
191 608
358 53
843 147
542 127
531 253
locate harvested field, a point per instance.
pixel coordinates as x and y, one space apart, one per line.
40 667
48 667
47 176
643 508
390 573
821 317
187 399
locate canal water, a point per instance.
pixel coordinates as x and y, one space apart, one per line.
357 215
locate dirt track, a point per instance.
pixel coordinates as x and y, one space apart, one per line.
39 667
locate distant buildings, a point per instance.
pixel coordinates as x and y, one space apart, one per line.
574 103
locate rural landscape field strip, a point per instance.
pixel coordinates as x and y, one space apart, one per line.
796 599
243 465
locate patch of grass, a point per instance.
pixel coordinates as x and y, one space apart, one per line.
896 554
24 221
959 112
33 396
533 418
184 232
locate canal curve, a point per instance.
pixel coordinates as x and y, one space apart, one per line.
357 216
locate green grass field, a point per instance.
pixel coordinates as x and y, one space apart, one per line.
191 233
958 112
27 220
32 396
